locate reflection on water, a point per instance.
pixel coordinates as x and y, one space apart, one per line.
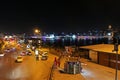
74 42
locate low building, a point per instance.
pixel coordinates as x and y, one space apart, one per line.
102 54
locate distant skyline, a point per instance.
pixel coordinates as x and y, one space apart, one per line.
58 16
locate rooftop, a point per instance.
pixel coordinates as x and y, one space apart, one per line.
102 48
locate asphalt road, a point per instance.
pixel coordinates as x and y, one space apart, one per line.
29 69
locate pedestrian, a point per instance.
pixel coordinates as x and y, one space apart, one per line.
55 63
58 62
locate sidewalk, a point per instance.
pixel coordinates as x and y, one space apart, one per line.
64 76
91 71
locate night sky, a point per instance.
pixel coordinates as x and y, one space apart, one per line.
57 16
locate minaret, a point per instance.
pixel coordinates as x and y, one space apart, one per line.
110 34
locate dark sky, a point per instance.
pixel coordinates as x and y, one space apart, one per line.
58 16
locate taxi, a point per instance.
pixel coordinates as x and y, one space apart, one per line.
19 59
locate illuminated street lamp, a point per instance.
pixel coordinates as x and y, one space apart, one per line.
38 36
37 31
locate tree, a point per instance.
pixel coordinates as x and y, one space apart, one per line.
1 45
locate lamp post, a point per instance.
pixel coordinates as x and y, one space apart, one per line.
116 37
37 33
116 73
116 49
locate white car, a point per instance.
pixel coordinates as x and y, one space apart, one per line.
44 57
45 53
2 54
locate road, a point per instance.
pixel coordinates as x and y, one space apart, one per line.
93 71
29 69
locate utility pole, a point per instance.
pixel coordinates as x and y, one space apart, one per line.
116 73
116 49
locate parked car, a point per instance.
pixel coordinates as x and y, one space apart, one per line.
19 59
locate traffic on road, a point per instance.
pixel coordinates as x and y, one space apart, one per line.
19 64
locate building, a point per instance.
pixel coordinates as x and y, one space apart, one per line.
102 54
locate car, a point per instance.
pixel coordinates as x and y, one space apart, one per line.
19 59
2 54
28 53
38 57
13 49
44 53
23 53
7 50
44 57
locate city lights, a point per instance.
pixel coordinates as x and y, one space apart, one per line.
37 31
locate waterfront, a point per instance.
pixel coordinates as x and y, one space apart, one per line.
74 42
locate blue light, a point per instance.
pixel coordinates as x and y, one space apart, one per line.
73 36
52 36
109 34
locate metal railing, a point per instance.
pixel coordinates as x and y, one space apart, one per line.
51 73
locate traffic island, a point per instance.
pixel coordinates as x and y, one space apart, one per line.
69 70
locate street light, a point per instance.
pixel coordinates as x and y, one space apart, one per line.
37 31
38 36
116 49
